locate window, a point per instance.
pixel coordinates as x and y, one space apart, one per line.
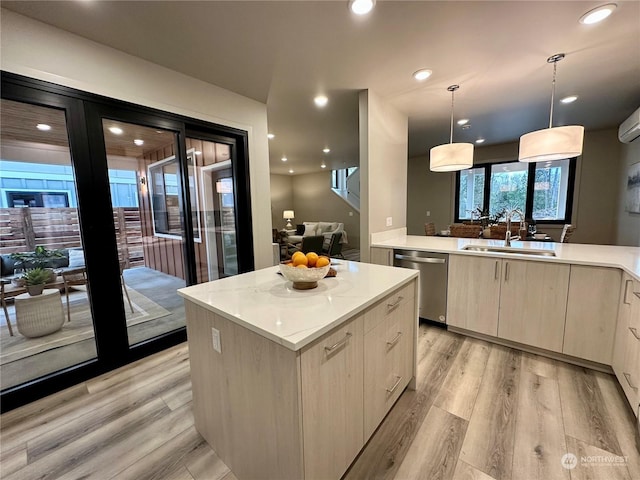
470 191
542 190
165 207
550 190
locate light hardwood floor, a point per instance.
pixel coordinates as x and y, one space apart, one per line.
480 411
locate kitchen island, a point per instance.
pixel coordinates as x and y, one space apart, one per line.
290 384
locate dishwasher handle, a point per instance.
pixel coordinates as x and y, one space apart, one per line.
411 258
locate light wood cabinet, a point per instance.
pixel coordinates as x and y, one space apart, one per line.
271 412
592 310
381 256
626 351
518 300
473 293
388 357
332 379
533 299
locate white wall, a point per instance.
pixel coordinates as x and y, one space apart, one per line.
40 51
383 168
628 232
595 200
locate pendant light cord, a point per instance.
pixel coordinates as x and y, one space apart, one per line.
451 133
553 92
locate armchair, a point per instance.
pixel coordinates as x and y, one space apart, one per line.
334 249
308 244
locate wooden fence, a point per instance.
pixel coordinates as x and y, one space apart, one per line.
22 229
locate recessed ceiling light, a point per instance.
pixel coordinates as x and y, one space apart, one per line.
270 136
116 130
321 101
422 74
326 150
463 121
323 166
198 152
138 142
284 159
598 14
43 126
480 140
361 7
290 171
569 99
466 126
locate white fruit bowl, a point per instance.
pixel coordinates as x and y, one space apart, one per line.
303 278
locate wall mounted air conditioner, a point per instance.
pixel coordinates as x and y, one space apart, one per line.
630 129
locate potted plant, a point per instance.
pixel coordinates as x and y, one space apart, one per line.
35 280
41 257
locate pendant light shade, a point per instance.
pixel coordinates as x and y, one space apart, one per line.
451 157
553 143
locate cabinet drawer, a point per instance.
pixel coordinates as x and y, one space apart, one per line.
388 305
388 364
630 374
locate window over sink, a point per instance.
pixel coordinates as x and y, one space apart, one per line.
543 190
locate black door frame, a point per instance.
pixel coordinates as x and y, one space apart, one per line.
84 112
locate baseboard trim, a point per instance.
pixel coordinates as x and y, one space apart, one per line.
581 362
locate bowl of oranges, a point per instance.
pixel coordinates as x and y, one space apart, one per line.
304 270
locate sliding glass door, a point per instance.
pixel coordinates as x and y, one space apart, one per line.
144 177
40 226
125 210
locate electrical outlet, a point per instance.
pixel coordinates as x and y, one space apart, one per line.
428 213
389 221
216 340
351 214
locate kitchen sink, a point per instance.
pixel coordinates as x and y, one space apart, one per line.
517 250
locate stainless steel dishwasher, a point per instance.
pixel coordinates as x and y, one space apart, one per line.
433 280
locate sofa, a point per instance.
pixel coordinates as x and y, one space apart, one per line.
318 228
71 258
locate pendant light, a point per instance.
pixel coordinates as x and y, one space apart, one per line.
451 156
553 143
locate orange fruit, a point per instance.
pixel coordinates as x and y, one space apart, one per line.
301 266
312 258
298 259
322 262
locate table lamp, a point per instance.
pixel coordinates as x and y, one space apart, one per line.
288 215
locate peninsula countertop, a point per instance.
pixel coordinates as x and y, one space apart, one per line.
626 258
266 303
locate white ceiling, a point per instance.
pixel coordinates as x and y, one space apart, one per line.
284 53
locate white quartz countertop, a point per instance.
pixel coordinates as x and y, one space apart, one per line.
266 303
626 258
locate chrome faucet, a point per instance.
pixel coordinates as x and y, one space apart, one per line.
507 236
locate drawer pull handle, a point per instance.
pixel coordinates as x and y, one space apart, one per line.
393 342
395 385
626 291
627 377
338 344
391 306
495 271
506 272
637 294
635 333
